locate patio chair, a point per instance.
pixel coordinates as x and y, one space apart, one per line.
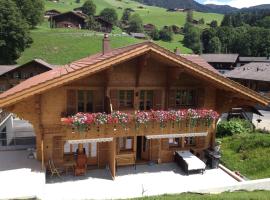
53 169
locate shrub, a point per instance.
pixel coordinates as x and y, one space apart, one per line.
234 126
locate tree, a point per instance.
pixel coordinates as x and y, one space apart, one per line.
89 8
201 21
187 26
92 24
110 15
166 34
214 45
32 11
189 17
14 32
154 34
126 15
214 24
265 22
192 39
227 21
78 1
135 24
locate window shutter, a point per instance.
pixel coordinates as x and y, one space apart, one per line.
114 99
172 98
157 101
71 102
98 100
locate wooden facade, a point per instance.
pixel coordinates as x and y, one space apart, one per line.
142 82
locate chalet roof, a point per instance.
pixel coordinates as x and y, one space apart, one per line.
254 59
252 71
138 35
220 58
7 68
98 62
53 10
75 13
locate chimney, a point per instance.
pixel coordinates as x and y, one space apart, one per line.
176 51
106 44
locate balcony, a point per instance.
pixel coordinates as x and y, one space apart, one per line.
119 124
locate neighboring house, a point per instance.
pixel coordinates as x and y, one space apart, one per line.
11 75
77 19
50 13
142 77
222 62
255 75
105 26
149 27
138 35
245 60
16 133
69 19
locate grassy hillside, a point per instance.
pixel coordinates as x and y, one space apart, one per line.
150 14
247 153
60 46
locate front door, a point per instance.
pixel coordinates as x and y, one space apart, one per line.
142 148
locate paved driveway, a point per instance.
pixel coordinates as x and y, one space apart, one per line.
21 177
145 180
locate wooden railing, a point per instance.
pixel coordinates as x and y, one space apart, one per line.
131 129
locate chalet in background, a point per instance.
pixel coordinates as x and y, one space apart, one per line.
140 77
76 19
11 75
69 19
222 62
255 75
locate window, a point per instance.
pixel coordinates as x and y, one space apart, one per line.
189 141
84 101
2 88
125 143
185 97
146 99
174 142
16 75
126 98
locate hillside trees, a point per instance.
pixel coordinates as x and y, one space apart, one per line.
189 17
192 38
14 32
135 24
89 8
31 10
166 34
126 15
110 15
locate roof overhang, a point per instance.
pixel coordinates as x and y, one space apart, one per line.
144 48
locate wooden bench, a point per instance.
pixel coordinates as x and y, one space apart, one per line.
125 159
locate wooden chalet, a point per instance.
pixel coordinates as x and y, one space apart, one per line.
69 19
11 75
142 77
105 26
254 75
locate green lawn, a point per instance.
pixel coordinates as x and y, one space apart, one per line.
240 195
247 153
61 46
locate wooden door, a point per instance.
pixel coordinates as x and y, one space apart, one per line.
144 148
154 149
93 153
58 149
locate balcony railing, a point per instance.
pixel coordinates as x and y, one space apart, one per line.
96 125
